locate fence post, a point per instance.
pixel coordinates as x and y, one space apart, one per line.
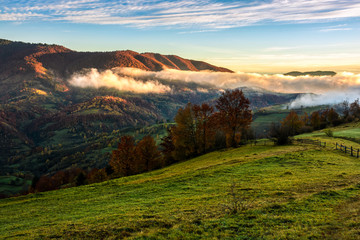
345 149
336 146
358 153
352 151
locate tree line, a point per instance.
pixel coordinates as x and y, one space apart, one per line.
294 124
199 129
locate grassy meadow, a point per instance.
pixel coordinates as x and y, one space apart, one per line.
299 191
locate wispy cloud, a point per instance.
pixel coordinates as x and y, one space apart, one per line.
203 14
341 27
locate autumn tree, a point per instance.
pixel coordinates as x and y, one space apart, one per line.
147 154
234 115
97 175
205 130
355 109
293 123
346 109
184 133
333 117
44 184
122 159
315 120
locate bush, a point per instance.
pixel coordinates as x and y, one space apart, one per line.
329 133
279 134
237 202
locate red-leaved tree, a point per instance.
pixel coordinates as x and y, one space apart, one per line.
123 158
234 115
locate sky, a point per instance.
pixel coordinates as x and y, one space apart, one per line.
264 36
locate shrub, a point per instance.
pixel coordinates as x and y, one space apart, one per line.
279 134
236 202
329 133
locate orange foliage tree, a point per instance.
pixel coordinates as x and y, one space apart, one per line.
355 108
205 131
293 123
184 133
315 120
123 158
147 154
234 115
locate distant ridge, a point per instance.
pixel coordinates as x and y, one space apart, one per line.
20 57
314 73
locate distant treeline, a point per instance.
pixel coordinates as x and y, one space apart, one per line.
294 124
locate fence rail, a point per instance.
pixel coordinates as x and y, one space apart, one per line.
353 151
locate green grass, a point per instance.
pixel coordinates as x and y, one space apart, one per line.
346 133
288 192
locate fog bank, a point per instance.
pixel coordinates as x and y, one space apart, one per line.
94 78
276 82
328 89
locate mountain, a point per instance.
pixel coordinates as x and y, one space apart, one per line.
47 124
315 73
19 57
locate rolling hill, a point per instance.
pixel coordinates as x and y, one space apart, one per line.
300 191
47 124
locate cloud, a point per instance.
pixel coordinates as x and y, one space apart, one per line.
203 14
329 90
341 27
329 98
273 82
95 79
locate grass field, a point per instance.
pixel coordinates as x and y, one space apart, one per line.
287 192
350 130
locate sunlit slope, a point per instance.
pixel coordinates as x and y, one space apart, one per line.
299 191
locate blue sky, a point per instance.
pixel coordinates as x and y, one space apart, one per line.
271 36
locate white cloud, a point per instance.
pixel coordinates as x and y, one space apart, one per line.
273 82
329 90
206 14
328 98
95 79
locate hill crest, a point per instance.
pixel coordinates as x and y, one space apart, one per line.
20 57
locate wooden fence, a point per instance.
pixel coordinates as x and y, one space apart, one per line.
352 151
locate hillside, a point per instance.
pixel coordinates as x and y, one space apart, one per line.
313 73
48 124
300 191
19 57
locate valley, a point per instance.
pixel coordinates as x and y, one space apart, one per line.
48 125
